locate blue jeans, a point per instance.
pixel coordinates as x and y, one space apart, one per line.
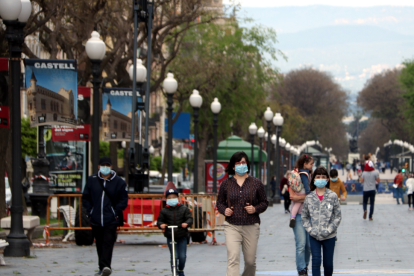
303 250
180 252
399 194
328 254
371 196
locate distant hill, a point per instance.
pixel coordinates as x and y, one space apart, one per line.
352 44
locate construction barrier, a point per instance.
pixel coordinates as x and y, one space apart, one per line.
141 214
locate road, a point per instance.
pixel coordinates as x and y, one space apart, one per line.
382 246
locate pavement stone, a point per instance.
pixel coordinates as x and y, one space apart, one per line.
380 247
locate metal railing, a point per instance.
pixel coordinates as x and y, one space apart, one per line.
137 220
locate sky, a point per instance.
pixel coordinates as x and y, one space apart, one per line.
340 3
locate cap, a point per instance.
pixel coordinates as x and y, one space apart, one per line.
105 160
171 191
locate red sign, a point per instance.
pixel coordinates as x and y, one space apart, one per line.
4 64
221 174
4 117
64 133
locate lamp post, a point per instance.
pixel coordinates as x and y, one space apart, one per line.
282 144
252 130
260 133
15 15
196 101
274 170
278 122
137 73
215 108
170 85
151 150
328 150
268 115
95 49
288 147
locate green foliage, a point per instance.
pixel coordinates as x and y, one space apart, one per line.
29 138
227 61
103 149
120 153
155 163
178 163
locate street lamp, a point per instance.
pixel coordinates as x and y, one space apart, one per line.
282 144
15 15
170 85
252 130
95 49
215 108
278 122
138 74
274 155
196 101
260 133
151 150
268 115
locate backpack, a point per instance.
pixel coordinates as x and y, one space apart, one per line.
295 182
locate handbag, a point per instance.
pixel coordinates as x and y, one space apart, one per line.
119 214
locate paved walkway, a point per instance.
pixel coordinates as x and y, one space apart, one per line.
382 246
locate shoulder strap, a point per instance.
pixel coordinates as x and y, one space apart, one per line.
106 192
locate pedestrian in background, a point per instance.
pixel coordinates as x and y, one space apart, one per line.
105 197
369 179
321 216
336 185
176 214
410 191
398 181
284 187
241 199
273 186
348 172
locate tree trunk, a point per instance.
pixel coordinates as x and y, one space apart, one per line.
202 149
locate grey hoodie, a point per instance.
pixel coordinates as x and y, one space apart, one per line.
321 218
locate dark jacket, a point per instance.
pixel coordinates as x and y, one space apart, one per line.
97 203
175 216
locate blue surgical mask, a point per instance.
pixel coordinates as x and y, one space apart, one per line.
105 170
241 169
172 202
320 183
334 179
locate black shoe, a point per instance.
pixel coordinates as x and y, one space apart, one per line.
303 273
292 223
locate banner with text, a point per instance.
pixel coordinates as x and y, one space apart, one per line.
117 114
51 92
221 174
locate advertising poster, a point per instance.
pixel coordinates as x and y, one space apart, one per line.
4 87
117 114
51 92
221 174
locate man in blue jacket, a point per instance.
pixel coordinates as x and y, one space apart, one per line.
105 197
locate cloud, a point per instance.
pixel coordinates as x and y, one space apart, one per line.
369 20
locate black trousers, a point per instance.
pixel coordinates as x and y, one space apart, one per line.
410 200
287 199
371 196
105 239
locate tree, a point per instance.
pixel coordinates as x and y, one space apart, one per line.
63 28
29 139
225 61
321 103
373 136
382 97
407 83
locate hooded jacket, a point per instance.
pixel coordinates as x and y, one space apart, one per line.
175 216
321 218
98 205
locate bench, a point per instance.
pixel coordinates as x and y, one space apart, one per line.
29 224
3 244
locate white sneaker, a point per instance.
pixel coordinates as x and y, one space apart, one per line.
106 271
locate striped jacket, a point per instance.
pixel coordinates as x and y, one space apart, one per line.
321 218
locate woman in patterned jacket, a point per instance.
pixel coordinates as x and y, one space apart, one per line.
321 216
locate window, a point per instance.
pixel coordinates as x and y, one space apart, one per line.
115 124
43 104
104 124
52 106
30 106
